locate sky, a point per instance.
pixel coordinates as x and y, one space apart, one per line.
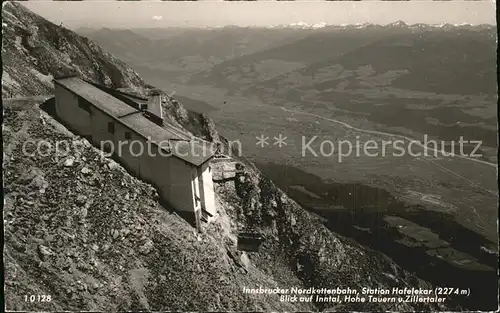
139 14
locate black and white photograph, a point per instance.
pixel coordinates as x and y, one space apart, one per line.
250 156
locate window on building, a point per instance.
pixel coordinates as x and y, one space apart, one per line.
107 147
128 135
84 104
111 127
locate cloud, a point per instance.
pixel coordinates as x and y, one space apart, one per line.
157 17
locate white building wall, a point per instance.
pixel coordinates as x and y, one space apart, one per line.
195 181
68 110
207 188
180 185
170 175
174 178
98 127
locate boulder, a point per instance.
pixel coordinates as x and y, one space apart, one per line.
81 199
147 247
86 171
44 252
69 162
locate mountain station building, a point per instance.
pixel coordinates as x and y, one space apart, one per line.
178 165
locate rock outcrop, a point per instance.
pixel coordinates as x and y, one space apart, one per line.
35 50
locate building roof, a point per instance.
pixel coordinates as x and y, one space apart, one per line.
154 106
171 128
153 103
146 127
192 151
182 147
136 101
96 96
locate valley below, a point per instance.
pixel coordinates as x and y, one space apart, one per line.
433 213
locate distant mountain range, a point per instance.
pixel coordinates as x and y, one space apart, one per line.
444 59
304 25
236 58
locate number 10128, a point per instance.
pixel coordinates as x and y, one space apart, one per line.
37 298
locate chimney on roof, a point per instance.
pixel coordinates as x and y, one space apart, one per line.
154 107
64 74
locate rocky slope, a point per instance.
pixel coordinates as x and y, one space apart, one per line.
34 50
80 229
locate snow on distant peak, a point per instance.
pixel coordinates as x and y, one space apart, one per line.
319 25
304 25
440 25
398 24
448 25
361 25
298 24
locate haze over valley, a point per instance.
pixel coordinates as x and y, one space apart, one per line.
403 81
